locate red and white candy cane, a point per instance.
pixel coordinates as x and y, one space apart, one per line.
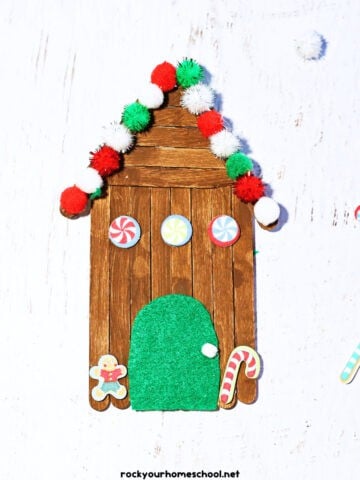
252 370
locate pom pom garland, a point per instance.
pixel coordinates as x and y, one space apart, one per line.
106 161
266 211
136 117
152 96
210 122
189 73
118 137
224 144
89 181
198 98
73 201
164 76
237 165
249 188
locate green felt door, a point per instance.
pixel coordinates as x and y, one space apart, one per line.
167 369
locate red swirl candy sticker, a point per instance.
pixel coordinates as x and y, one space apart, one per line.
224 231
124 232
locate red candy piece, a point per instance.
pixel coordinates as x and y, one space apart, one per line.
249 188
73 201
210 122
106 161
164 76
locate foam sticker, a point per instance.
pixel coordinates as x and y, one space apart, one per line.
238 355
124 232
108 372
176 230
224 231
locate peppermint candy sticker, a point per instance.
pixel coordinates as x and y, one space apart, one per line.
124 232
176 230
224 231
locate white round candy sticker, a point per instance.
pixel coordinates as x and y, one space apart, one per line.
224 231
176 230
124 232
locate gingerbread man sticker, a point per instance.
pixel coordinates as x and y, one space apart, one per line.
108 371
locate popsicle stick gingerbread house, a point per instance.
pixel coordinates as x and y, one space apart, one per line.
171 171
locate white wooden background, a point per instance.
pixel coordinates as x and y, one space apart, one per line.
67 67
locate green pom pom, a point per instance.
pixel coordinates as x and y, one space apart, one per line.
238 164
136 117
189 73
96 194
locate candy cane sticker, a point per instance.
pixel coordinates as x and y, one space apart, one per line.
252 370
352 366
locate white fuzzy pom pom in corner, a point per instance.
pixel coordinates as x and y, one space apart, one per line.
151 96
309 45
266 211
224 144
118 137
89 180
198 98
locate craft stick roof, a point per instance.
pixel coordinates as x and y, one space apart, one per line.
221 164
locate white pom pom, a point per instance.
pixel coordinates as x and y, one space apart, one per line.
198 98
89 180
309 46
266 211
118 137
224 144
151 96
209 350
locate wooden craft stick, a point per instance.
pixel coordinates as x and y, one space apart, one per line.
120 292
181 266
160 251
99 338
201 249
222 275
245 329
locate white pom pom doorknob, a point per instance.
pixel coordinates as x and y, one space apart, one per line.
266 211
89 180
151 96
198 98
118 137
224 144
209 350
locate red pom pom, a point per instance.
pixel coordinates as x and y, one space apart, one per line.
249 188
106 161
164 76
210 122
73 201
